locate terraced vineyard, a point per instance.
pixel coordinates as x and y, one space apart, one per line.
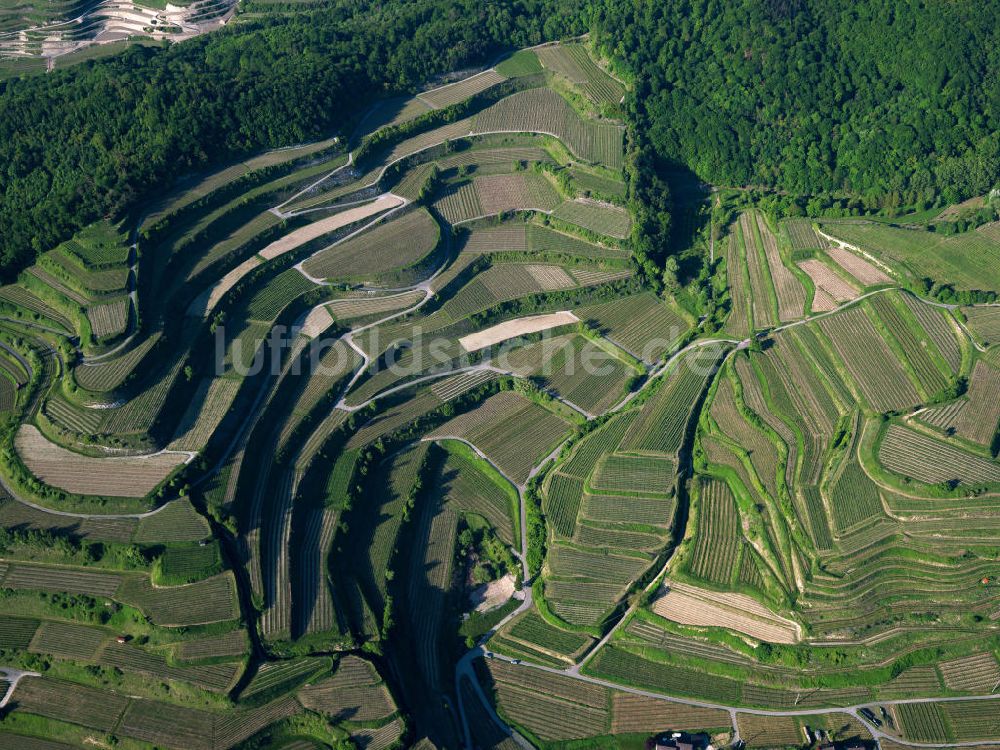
912 454
600 218
717 546
573 62
284 461
543 110
968 260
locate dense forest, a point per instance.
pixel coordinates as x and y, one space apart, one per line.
894 102
885 101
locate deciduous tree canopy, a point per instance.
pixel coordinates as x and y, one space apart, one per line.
887 99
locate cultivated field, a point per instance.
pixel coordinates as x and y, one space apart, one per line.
831 288
801 235
66 701
820 499
635 713
209 406
460 203
495 194
913 454
17 632
543 239
659 427
362 307
923 722
550 706
973 720
874 368
587 373
762 293
317 229
573 62
109 320
210 298
740 322
392 245
502 283
598 184
769 731
975 674
703 608
718 541
513 432
641 324
176 521
791 296
69 641
984 322
389 112
109 374
513 328
231 644
118 477
445 96
510 236
602 218
354 691
969 259
544 111
866 273
974 418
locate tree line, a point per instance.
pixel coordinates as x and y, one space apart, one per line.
894 103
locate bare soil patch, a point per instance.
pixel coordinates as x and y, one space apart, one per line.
513 328
689 605
121 476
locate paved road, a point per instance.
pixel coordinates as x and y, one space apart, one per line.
13 676
853 710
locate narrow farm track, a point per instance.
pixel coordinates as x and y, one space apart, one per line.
463 669
377 220
38 327
71 514
276 210
881 483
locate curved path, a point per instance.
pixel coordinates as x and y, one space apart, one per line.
20 359
463 668
853 710
13 676
73 514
